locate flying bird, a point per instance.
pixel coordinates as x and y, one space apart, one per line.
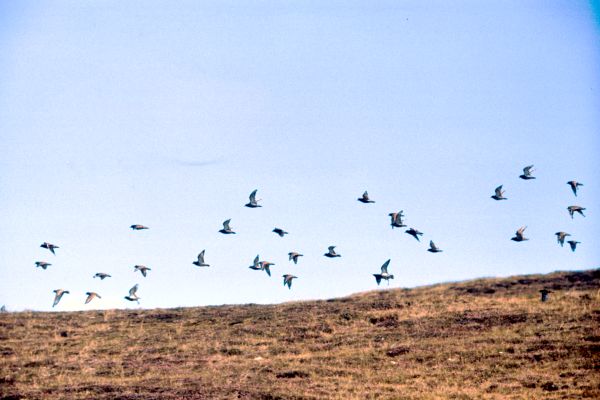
138 227
575 209
397 219
280 232
266 266
59 294
499 195
50 247
294 256
42 264
226 228
519 235
365 198
573 244
200 262
142 268
384 274
433 248
414 233
574 185
90 296
287 280
101 275
133 294
255 264
253 203
560 237
527 173
331 253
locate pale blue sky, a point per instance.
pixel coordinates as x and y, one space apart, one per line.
169 114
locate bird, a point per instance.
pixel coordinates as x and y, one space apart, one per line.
575 209
545 293
433 248
384 274
560 237
50 247
255 264
287 280
397 219
331 253
574 185
200 262
294 256
42 264
280 232
133 294
90 296
573 244
527 173
414 233
265 266
499 195
226 228
519 235
59 294
142 268
101 275
253 203
138 227
365 198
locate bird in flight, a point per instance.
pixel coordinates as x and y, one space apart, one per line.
280 232
226 228
90 296
142 268
397 219
414 233
384 274
138 227
519 235
433 248
294 256
42 264
200 262
574 186
499 195
101 275
365 198
50 247
331 253
59 294
575 209
253 203
527 173
287 280
573 244
560 237
133 294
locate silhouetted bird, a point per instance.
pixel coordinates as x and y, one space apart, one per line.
138 227
287 280
384 274
433 248
397 219
90 296
42 264
545 293
256 264
50 247
253 202
101 275
574 185
142 268
133 294
266 266
226 228
575 209
414 233
560 237
365 198
331 253
200 262
280 232
527 173
573 244
59 294
499 195
294 256
519 235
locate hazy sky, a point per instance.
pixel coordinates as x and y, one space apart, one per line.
169 114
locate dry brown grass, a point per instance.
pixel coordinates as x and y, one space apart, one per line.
489 338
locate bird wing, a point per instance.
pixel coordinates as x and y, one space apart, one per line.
201 257
133 290
331 249
57 298
253 196
365 195
255 263
226 225
384 267
499 191
527 170
432 245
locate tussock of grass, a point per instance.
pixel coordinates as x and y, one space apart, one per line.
488 338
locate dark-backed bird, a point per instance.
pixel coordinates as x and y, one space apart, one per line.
575 209
101 275
574 185
266 266
519 235
365 198
527 173
50 247
560 237
287 280
138 227
433 248
294 256
133 294
226 228
414 233
397 219
545 293
384 274
253 203
331 253
200 261
280 232
42 264
573 244
142 268
90 296
58 295
499 195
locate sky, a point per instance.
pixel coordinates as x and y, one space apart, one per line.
168 114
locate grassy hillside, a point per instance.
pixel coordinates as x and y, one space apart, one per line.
488 338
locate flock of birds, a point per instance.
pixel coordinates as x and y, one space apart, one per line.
397 221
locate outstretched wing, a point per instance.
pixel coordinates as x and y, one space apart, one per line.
331 249
377 278
527 170
133 291
384 267
201 257
432 245
253 197
57 298
226 225
499 191
255 263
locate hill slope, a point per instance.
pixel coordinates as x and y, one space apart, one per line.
488 338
